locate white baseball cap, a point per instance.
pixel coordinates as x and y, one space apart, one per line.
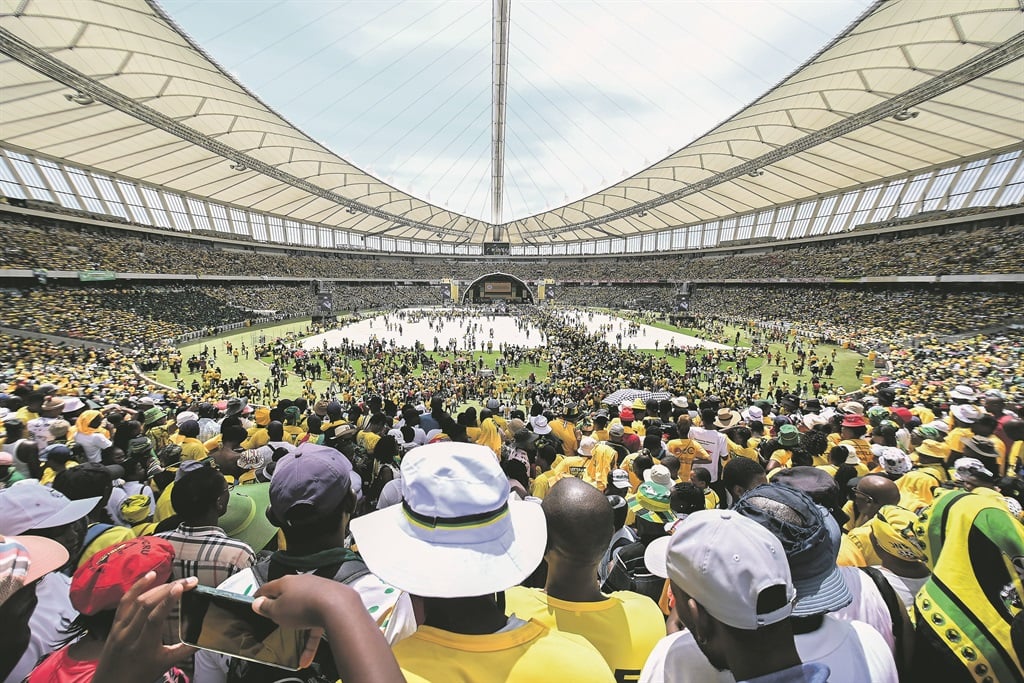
724 561
33 506
620 479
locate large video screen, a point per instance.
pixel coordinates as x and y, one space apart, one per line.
497 288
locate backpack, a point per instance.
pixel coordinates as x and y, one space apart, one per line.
362 462
378 483
629 573
323 669
897 612
548 440
94 531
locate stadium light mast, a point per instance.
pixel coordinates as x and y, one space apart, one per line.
499 88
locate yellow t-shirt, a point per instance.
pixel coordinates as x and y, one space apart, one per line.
572 465
782 456
956 435
687 450
624 628
565 431
293 434
862 448
258 436
711 499
367 440
193 449
856 550
861 468
742 452
49 475
542 484
531 653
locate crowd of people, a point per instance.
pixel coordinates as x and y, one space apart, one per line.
860 316
861 537
137 315
441 519
857 317
30 243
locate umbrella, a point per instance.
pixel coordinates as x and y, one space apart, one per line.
629 395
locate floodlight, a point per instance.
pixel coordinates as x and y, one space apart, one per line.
79 98
905 115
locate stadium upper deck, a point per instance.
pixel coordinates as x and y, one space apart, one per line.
915 107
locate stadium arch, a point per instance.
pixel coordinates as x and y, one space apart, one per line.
517 290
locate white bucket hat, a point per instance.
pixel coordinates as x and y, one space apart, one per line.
962 392
966 413
587 445
753 414
659 474
540 425
456 534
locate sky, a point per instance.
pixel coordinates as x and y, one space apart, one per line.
597 90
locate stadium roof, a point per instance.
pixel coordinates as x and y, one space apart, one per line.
115 86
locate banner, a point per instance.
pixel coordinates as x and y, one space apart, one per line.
96 275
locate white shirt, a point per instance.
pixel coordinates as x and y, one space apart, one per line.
906 588
274 445
52 611
93 444
390 494
868 605
854 652
208 428
715 443
20 466
39 428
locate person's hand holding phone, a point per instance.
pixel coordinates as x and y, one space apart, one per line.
134 650
305 601
302 601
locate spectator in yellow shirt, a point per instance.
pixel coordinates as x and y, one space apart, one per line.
701 478
623 626
191 447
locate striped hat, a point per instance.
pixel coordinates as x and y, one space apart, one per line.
651 502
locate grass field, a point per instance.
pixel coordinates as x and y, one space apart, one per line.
844 375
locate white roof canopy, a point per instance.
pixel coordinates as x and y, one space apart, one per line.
910 86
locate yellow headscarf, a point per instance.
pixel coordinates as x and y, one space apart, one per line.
84 420
489 436
893 529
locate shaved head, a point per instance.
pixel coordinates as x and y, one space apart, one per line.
579 519
882 489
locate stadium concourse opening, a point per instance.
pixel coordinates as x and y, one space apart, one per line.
498 287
